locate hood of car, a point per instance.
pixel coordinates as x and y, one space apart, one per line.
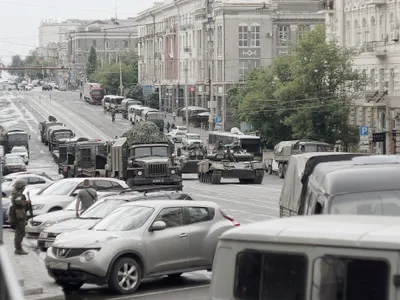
84 238
152 160
72 224
56 216
195 141
15 165
44 199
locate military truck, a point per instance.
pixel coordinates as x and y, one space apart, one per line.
284 150
226 162
65 156
11 138
188 160
45 128
58 135
143 164
125 106
84 164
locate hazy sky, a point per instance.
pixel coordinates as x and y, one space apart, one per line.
20 19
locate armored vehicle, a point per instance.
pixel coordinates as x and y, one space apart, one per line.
58 135
143 164
66 155
125 106
227 162
189 160
90 159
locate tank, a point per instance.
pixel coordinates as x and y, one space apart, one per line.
188 161
230 162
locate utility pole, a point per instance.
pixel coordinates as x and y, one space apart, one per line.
209 60
159 86
186 96
121 87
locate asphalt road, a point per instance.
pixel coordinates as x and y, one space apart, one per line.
246 203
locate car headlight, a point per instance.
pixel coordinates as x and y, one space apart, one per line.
49 223
88 256
173 171
37 206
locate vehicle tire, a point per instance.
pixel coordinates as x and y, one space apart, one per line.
70 287
199 176
55 209
258 179
243 181
175 276
130 182
174 140
125 268
46 143
215 178
280 171
50 147
270 170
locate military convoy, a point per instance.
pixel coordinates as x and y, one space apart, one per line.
188 160
230 162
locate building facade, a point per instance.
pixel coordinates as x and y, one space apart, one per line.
212 45
109 38
372 29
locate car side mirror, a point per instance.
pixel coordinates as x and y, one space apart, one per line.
158 226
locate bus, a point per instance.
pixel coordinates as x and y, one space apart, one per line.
250 143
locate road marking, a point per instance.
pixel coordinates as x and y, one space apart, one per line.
162 292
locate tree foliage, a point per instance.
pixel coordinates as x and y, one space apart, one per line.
17 62
145 133
32 60
91 65
303 95
108 74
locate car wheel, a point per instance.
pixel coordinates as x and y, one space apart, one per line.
175 276
125 276
70 287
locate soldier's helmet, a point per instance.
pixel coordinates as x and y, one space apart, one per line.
19 184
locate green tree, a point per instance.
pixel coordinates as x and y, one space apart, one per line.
152 100
91 65
306 94
17 62
32 60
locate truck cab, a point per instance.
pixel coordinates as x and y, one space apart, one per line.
125 104
115 103
67 155
13 138
90 159
59 135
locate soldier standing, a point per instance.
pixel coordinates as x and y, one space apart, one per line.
18 214
168 126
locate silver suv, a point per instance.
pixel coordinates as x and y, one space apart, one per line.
139 240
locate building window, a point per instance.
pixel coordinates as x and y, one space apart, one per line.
125 44
382 28
246 65
365 30
348 33
381 80
94 43
219 40
372 79
283 35
391 82
255 35
301 31
357 32
373 30
243 36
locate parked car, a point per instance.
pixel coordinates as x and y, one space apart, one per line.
29 87
181 128
21 151
176 136
191 139
62 88
139 240
46 87
13 163
98 211
59 195
31 179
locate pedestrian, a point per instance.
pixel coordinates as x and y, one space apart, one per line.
18 209
80 95
85 198
113 115
173 126
174 116
168 126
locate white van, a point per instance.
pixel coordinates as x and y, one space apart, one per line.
329 257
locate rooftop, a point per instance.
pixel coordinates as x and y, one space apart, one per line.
368 232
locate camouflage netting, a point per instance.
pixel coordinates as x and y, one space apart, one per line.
145 133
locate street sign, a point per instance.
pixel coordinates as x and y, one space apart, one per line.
147 90
218 126
364 131
218 120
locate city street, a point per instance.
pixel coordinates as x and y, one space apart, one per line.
246 203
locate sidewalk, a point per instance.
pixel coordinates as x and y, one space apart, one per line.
178 122
31 272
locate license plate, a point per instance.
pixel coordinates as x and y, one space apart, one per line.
43 235
58 265
48 244
158 180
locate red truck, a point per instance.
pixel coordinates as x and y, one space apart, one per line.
93 93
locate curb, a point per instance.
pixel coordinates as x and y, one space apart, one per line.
33 291
48 297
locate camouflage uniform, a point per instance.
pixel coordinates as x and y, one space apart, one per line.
20 204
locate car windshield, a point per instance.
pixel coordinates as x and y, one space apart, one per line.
125 219
151 151
61 187
193 137
179 133
18 137
181 128
14 160
101 209
62 135
18 150
96 92
381 203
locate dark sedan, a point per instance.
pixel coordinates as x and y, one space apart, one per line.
13 164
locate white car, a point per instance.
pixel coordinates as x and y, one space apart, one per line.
176 136
191 139
29 87
21 151
34 180
181 128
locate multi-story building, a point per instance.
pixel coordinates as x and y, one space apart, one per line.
214 45
109 38
372 29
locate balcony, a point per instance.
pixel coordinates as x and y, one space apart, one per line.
376 2
370 95
377 48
